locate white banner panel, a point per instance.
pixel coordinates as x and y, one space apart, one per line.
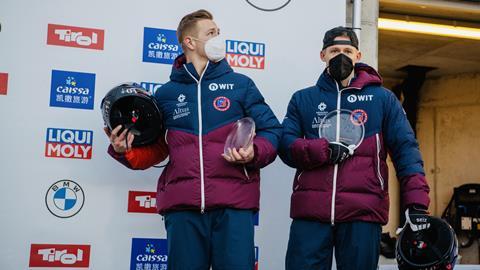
63 201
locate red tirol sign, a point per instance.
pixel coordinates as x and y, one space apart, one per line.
53 255
72 36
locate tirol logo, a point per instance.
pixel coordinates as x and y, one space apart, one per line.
221 103
355 98
69 143
245 54
64 199
149 254
72 36
51 255
142 202
3 83
220 86
72 89
151 87
160 46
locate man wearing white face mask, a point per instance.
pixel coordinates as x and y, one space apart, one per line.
208 198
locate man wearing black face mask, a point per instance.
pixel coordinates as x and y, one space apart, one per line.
340 195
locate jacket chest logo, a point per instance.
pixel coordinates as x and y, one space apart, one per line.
359 117
320 114
182 109
221 103
354 98
220 86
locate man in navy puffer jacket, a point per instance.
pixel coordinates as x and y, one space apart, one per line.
340 196
208 198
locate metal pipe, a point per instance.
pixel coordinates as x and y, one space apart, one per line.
357 17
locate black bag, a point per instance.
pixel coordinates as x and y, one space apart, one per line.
463 212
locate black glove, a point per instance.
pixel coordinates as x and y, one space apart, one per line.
339 152
417 218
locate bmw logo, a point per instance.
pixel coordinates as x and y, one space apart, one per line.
65 198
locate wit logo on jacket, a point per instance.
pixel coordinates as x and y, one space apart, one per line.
72 36
142 202
65 198
220 86
245 54
355 98
52 255
69 143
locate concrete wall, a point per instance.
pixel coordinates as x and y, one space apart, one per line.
369 30
449 132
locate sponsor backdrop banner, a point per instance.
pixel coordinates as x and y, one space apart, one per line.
64 203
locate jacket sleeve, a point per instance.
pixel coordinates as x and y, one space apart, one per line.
406 157
143 157
268 128
295 150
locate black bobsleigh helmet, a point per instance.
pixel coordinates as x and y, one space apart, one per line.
432 248
135 109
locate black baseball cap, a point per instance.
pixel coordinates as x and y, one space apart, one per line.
340 31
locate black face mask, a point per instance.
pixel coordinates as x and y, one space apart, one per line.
340 67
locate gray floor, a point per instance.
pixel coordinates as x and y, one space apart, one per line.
390 264
461 266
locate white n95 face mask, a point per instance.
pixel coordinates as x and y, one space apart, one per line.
215 49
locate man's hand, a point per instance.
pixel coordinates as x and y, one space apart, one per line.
118 142
339 152
241 156
417 219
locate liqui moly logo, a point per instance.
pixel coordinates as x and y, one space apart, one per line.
72 36
245 54
47 255
142 202
69 143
